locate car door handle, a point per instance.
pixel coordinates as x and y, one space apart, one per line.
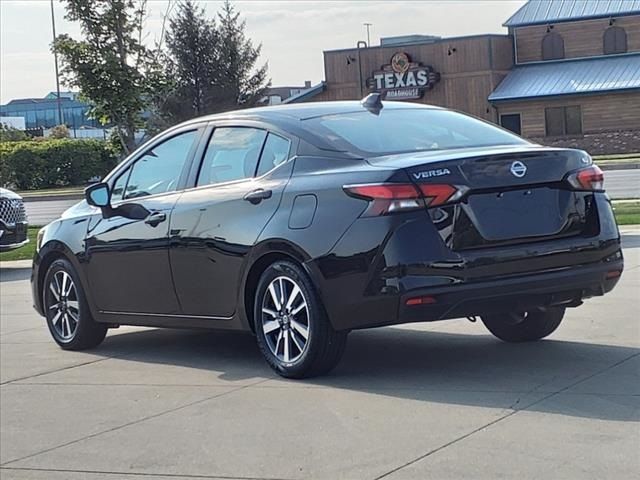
155 219
256 196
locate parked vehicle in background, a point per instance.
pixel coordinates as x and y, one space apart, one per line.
301 223
13 221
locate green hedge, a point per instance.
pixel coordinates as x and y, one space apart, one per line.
33 164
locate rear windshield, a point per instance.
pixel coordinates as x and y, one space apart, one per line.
408 130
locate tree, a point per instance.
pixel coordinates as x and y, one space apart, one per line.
242 83
212 64
192 63
112 68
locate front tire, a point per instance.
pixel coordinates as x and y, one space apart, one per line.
524 326
68 316
292 328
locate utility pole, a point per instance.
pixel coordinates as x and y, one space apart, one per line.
368 37
55 58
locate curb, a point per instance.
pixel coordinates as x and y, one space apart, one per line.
15 264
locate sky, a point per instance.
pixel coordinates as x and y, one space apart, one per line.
293 33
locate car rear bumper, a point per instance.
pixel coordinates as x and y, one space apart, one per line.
565 287
562 287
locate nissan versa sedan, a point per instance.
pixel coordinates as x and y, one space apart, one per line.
300 223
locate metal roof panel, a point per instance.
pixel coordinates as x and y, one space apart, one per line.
589 75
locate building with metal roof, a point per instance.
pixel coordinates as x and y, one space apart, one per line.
537 12
576 73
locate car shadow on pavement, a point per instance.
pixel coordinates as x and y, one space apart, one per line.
474 370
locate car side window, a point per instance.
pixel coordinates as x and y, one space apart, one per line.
232 154
159 169
275 151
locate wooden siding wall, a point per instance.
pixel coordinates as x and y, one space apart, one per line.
468 75
581 38
600 113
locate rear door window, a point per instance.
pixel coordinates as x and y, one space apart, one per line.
232 154
275 152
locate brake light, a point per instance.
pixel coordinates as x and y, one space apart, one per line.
590 178
386 198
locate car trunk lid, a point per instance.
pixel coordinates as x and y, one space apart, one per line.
512 194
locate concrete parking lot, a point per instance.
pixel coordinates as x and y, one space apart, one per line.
443 400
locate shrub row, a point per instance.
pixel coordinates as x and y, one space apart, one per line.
30 165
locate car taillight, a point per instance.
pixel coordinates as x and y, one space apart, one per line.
386 198
440 193
590 178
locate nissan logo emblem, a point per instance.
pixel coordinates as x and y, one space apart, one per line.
518 169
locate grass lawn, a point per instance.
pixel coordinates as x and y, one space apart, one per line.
627 213
632 157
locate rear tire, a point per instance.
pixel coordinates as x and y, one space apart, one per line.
68 316
524 326
292 328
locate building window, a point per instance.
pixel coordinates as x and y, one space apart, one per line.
561 121
552 46
614 40
511 122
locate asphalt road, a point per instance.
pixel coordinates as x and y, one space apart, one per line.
619 184
622 183
443 400
41 212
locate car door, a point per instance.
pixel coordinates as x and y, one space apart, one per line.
127 256
215 224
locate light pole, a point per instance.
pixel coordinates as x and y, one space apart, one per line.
367 25
55 58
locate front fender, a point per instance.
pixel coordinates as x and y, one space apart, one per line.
62 238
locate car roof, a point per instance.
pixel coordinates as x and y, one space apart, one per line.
290 117
303 111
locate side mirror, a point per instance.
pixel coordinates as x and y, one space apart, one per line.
98 195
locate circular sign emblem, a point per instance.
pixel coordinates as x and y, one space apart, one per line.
400 62
518 169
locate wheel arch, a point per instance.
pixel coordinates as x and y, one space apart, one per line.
49 253
266 254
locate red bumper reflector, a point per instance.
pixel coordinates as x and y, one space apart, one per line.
420 301
613 274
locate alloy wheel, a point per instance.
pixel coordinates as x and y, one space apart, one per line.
285 319
63 305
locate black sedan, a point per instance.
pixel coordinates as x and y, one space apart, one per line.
301 223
